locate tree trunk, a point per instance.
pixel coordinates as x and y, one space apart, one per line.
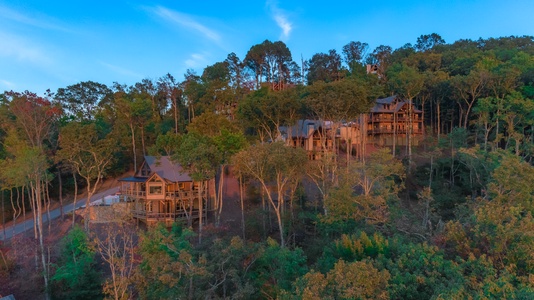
60 194
438 116
219 197
394 133
132 129
37 195
242 205
175 116
75 198
143 140
410 132
200 210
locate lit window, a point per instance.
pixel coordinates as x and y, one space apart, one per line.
155 190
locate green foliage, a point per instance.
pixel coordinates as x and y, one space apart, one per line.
379 179
265 110
169 266
340 100
76 275
229 262
166 144
199 156
498 224
353 248
419 271
278 267
353 280
405 81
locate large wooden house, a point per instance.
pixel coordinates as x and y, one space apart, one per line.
162 192
314 136
388 122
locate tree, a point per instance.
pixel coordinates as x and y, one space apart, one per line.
32 119
276 167
378 180
266 110
117 249
199 157
169 266
355 54
218 94
228 141
381 57
340 101
76 275
500 221
166 144
277 267
469 88
347 280
271 61
81 100
406 82
324 67
193 91
169 89
428 42
88 154
134 112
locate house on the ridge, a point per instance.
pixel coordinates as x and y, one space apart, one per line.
161 191
388 123
314 136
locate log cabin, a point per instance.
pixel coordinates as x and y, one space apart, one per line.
388 122
161 191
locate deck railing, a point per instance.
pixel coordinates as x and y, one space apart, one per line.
147 215
168 195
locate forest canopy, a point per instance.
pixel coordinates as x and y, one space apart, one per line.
448 217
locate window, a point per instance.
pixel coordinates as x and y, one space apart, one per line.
155 190
148 206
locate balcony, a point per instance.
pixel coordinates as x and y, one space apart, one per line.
391 131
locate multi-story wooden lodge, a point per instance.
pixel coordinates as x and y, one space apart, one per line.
388 122
314 136
162 192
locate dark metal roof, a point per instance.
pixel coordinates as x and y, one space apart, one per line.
396 103
134 179
166 169
302 128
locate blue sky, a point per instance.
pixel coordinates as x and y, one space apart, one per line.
53 44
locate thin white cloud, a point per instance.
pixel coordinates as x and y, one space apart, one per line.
40 21
184 20
281 19
121 70
7 84
196 60
23 50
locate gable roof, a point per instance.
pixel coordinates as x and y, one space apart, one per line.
300 130
396 101
166 169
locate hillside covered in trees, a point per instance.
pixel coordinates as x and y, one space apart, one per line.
452 218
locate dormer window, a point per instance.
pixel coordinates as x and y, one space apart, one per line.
145 171
155 190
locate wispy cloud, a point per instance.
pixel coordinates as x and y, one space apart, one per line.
280 17
184 20
121 70
196 60
40 21
23 50
7 84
